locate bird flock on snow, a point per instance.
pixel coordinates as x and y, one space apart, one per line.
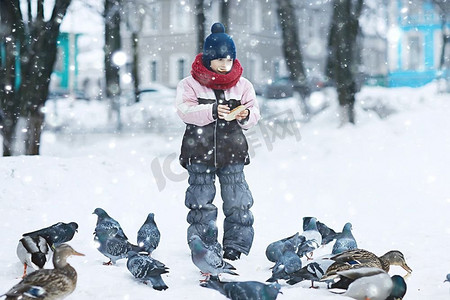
346 270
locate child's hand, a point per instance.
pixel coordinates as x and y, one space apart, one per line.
222 111
242 115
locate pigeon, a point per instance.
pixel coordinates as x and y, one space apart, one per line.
147 269
113 247
447 279
32 252
288 263
327 233
374 284
245 290
313 239
275 250
210 238
207 260
108 225
312 271
148 235
345 240
56 234
48 284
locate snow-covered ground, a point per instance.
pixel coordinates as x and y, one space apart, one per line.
388 177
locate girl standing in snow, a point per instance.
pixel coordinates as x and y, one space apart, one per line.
214 146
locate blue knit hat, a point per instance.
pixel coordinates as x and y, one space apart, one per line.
218 45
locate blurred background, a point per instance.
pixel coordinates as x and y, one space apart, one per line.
125 57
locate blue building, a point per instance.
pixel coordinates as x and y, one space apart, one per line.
65 72
415 39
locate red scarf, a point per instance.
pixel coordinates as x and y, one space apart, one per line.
215 80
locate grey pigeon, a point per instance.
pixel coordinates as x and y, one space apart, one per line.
207 260
106 224
288 263
32 252
245 290
447 278
56 234
113 247
328 234
313 239
312 271
210 238
275 250
147 269
148 235
345 240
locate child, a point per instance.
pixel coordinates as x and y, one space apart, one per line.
213 146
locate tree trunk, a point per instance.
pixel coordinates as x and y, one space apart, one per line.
443 7
341 64
36 74
225 14
292 52
445 39
200 24
135 66
291 43
8 104
35 43
37 65
112 45
35 124
10 40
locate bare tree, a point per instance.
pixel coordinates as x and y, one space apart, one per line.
200 23
225 13
444 13
342 56
112 45
134 17
292 51
32 45
10 103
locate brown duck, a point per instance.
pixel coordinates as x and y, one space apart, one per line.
359 258
48 284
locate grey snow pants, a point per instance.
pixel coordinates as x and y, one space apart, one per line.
237 201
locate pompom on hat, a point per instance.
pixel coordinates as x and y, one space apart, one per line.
218 45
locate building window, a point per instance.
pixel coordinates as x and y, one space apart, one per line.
180 15
181 65
213 14
447 57
276 70
413 10
414 56
314 23
253 69
153 71
303 24
178 68
154 17
274 21
255 15
59 63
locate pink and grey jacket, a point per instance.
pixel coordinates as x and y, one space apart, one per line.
208 139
